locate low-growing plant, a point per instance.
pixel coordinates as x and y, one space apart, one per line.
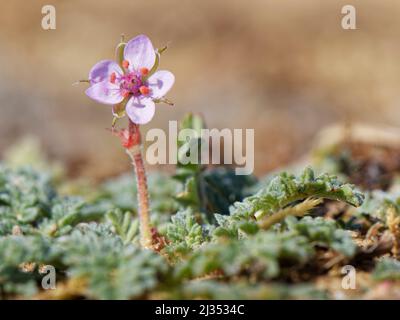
207 232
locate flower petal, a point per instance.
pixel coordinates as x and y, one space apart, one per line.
140 110
140 53
105 92
160 83
101 71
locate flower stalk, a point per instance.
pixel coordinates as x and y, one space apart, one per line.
135 153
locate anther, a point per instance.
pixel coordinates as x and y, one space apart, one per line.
144 90
113 77
125 64
144 71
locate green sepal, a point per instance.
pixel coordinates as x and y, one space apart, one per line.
119 52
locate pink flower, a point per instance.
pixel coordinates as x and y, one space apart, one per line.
111 84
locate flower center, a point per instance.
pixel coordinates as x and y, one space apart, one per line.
132 83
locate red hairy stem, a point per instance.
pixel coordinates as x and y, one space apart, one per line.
135 153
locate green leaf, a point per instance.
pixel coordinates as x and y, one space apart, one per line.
387 269
286 189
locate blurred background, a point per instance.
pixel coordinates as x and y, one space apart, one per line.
285 68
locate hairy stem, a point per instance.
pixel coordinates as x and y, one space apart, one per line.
135 154
298 210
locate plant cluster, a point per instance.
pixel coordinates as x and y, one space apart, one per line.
274 243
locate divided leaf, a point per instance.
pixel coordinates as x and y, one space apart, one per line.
284 190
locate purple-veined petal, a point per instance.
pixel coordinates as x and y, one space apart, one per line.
105 92
102 70
140 53
140 110
160 83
